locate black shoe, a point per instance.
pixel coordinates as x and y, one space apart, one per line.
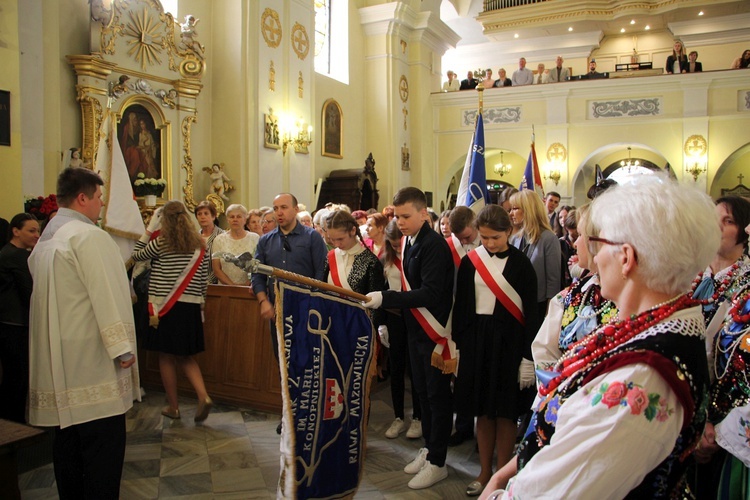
278 429
458 437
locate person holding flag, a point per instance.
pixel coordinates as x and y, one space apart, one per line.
427 300
495 320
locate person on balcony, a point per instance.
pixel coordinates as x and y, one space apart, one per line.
452 84
503 81
470 83
677 62
559 73
523 75
541 76
693 65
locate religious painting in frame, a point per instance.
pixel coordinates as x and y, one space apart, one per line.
141 142
332 121
271 137
4 118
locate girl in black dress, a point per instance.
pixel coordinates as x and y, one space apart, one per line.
494 322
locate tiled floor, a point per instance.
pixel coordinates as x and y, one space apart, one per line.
235 454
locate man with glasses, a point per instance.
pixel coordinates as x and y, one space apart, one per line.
290 246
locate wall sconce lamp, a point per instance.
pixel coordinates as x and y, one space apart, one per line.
696 166
295 134
553 174
501 168
695 149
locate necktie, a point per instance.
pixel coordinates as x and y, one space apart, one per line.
558 73
539 78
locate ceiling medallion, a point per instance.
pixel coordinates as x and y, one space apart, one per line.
145 42
403 89
270 27
300 41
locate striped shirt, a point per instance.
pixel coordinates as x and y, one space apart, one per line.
166 267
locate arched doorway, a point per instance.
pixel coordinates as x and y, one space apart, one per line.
733 172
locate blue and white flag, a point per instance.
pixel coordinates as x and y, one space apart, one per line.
326 349
472 192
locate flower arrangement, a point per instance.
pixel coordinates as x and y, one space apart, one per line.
148 186
40 207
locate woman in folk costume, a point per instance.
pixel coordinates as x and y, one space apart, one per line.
728 426
393 337
627 408
494 321
176 293
576 311
715 286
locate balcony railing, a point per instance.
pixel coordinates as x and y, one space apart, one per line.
490 5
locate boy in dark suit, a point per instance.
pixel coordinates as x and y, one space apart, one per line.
427 301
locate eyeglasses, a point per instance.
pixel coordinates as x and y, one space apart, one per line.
593 249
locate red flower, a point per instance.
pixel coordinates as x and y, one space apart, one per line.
614 394
638 400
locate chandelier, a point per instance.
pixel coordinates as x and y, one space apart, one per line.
501 168
630 163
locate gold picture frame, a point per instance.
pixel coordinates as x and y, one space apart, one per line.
332 124
271 135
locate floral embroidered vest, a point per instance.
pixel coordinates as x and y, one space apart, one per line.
686 371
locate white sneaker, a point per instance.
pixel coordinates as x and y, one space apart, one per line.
416 465
396 428
415 429
429 475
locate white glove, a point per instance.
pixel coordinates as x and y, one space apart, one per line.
383 333
155 223
526 375
376 298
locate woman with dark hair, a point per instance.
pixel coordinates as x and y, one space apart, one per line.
176 294
494 322
393 337
743 61
715 286
15 296
205 213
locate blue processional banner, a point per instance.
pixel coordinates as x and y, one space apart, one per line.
326 351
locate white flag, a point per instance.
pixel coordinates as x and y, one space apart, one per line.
121 217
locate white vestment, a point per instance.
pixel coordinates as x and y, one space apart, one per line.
81 320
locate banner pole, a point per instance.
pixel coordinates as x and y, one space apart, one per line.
257 267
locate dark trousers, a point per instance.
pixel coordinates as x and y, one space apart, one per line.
14 358
88 459
435 398
400 366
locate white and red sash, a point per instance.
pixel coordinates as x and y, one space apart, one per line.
457 249
156 311
337 272
444 356
496 282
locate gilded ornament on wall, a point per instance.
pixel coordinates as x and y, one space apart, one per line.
271 78
403 89
406 113
300 85
300 41
557 153
405 158
145 41
270 28
695 146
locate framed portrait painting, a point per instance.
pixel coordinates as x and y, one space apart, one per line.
271 137
333 129
140 142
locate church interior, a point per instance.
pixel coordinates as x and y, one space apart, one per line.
340 101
